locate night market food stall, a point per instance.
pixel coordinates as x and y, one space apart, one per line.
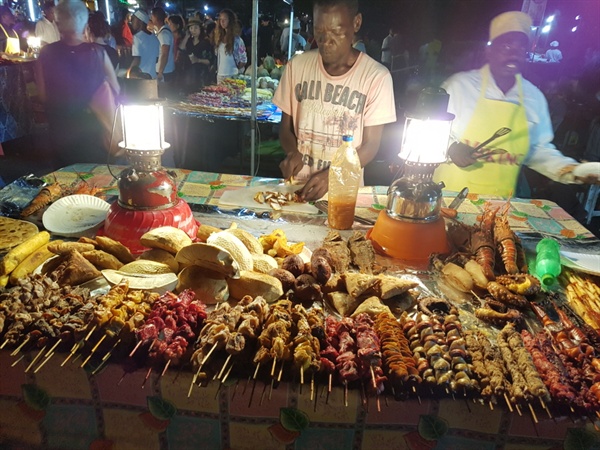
182 309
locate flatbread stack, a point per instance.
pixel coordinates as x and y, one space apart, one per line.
14 232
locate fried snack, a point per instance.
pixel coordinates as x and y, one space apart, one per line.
74 269
391 286
167 238
87 240
32 262
14 232
358 284
18 254
371 306
343 303
276 244
62 248
115 248
102 260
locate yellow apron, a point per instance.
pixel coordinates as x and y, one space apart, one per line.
497 174
12 43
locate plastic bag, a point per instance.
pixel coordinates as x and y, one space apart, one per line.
18 194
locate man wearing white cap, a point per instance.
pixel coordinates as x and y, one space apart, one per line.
145 45
494 97
553 54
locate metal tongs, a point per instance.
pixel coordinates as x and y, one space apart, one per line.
499 151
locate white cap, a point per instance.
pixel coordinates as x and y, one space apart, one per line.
554 44
508 22
142 16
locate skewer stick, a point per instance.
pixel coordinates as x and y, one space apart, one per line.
252 392
194 378
38 356
3 345
346 393
212 349
46 359
105 357
17 360
270 389
227 374
534 417
135 348
93 350
312 386
224 367
262 395
53 348
491 405
256 370
18 349
273 366
508 402
165 369
280 372
373 378
378 403
301 375
146 377
87 336
329 382
545 407
518 409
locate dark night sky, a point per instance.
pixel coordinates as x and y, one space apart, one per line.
450 20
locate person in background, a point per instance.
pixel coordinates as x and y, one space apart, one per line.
265 38
209 29
165 66
330 92
146 47
98 31
298 41
121 31
553 54
359 44
46 28
497 96
196 47
229 46
9 38
386 50
73 77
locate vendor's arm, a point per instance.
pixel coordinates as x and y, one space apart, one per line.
544 157
292 164
110 74
163 57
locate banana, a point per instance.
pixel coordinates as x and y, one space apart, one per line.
16 256
33 261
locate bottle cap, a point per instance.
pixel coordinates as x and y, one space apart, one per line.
347 138
548 280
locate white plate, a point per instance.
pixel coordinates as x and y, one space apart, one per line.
75 215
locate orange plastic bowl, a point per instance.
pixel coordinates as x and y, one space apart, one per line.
408 241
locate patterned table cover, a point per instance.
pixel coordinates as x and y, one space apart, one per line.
71 408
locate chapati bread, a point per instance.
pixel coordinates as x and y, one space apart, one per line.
14 232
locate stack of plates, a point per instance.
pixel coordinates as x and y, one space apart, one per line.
76 216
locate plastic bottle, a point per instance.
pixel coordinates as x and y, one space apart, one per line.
547 261
344 179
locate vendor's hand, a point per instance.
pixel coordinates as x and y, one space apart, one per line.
291 165
461 154
589 179
316 187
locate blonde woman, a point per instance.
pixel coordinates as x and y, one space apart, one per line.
229 46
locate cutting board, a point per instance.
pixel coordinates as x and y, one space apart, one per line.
244 198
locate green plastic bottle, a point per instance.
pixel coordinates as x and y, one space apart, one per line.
547 261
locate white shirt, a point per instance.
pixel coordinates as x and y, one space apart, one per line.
47 31
226 63
464 89
553 55
147 47
386 55
165 37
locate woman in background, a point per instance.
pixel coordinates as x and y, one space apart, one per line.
98 31
198 49
229 46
